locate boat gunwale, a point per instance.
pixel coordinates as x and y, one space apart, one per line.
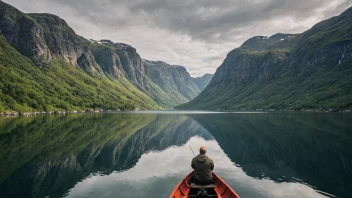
186 180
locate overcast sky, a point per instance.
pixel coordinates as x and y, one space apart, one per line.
194 33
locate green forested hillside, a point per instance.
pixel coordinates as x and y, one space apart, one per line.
58 85
312 70
169 85
53 68
45 66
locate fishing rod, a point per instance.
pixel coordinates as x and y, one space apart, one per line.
191 150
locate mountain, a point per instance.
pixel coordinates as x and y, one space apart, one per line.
173 83
69 68
45 66
203 81
311 70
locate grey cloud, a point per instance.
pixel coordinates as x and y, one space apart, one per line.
202 19
194 33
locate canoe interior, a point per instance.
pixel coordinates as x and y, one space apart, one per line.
219 190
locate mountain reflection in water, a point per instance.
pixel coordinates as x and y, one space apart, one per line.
146 155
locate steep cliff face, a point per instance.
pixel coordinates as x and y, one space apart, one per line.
47 39
132 65
175 83
119 60
115 60
64 43
311 70
24 33
202 81
108 60
65 71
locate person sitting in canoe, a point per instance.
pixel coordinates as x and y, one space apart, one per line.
203 166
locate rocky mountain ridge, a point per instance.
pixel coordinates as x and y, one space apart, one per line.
311 70
49 42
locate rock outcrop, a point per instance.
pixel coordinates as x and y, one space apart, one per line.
24 33
114 60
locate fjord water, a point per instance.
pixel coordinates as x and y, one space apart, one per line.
147 154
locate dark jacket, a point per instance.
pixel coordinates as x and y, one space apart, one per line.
202 165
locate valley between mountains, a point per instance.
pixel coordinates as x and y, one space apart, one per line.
45 66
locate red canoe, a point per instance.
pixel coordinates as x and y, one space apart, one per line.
219 189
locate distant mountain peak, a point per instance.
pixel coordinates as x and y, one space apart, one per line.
203 81
264 42
207 74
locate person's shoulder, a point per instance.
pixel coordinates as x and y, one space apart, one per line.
209 158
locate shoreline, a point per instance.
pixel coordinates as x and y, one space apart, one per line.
290 110
16 113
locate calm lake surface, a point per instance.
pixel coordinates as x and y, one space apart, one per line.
141 155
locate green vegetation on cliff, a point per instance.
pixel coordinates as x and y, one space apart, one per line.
169 85
311 70
60 86
45 66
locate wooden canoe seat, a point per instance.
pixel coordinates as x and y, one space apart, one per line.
193 185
